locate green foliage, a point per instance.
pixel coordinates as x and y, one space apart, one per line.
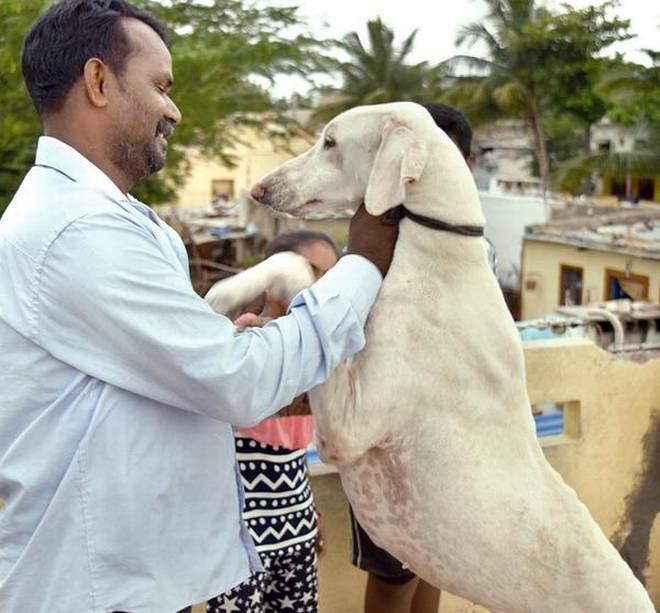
225 55
632 94
538 63
575 39
19 124
565 137
378 72
643 161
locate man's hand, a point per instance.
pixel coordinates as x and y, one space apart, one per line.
299 406
251 320
373 238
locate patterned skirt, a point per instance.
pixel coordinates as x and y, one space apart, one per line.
279 506
280 516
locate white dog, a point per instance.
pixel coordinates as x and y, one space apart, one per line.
430 425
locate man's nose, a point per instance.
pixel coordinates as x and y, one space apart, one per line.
173 113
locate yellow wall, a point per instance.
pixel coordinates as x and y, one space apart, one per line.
634 185
254 158
620 435
541 266
605 466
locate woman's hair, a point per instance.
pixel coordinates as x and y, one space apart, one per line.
292 241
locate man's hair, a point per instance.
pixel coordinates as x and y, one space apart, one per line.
66 35
454 123
292 241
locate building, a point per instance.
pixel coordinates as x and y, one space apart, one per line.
254 155
589 258
503 154
609 137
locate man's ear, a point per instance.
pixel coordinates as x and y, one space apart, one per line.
400 159
95 77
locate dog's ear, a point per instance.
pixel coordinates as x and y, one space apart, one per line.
400 159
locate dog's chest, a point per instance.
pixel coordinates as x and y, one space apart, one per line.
383 497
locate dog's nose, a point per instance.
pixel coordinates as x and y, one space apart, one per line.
258 192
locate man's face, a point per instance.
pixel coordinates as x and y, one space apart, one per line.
143 114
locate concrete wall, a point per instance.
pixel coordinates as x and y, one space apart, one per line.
255 157
541 268
614 465
506 219
614 462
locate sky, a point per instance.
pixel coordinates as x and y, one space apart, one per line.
438 23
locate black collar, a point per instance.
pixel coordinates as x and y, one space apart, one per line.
394 215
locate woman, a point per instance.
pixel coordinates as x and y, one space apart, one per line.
279 507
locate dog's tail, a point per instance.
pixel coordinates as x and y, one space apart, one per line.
284 274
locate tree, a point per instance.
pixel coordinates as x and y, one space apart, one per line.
538 62
632 93
19 125
225 54
378 72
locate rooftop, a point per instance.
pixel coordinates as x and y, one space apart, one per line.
629 231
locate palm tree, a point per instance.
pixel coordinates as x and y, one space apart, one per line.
505 83
535 61
378 72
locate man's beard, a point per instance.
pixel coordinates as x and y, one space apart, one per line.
140 157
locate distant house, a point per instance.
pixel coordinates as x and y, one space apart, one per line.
503 153
577 260
609 137
254 155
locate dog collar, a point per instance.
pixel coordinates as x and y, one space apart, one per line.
393 216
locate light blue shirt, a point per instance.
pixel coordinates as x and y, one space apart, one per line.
119 389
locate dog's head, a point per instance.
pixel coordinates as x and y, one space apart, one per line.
367 154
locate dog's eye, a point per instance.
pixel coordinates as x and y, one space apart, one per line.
329 142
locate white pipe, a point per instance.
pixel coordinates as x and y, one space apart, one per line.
616 325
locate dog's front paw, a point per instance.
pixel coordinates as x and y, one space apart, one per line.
292 274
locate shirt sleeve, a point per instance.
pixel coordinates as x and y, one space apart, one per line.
112 305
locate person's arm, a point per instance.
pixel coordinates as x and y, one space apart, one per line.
113 306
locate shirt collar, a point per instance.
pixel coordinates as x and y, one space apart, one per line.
53 152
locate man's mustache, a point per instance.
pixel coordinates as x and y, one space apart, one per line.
165 127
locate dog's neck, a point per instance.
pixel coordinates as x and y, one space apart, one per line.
446 189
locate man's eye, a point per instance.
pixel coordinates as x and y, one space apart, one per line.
329 142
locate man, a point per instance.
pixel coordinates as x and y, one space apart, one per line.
390 586
118 484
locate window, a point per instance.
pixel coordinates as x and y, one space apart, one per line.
619 285
604 146
646 188
570 285
618 187
558 419
222 188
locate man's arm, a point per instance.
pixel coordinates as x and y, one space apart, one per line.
113 306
